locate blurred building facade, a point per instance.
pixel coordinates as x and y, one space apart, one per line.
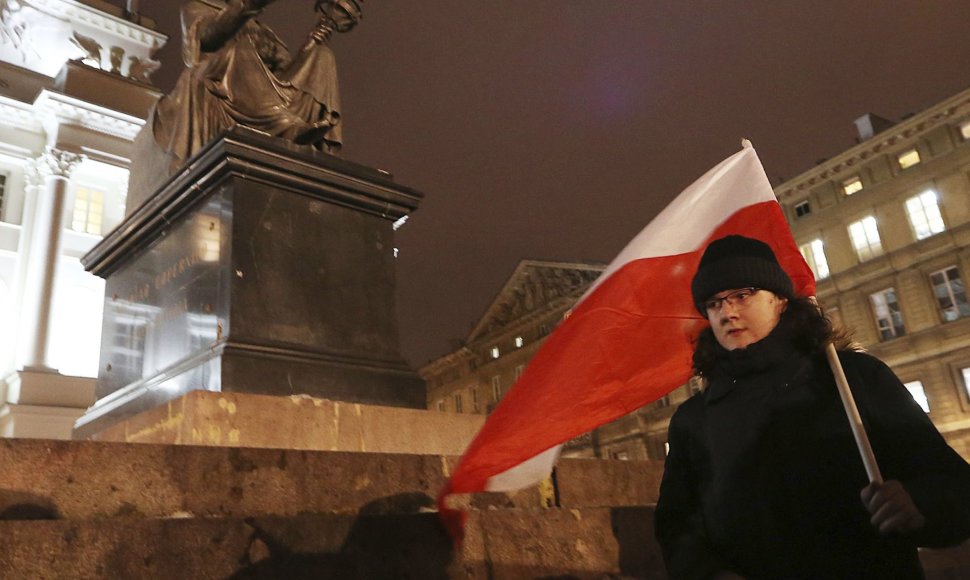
537 295
74 91
885 226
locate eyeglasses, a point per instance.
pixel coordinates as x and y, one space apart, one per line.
738 299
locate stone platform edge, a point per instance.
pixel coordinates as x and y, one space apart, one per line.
300 422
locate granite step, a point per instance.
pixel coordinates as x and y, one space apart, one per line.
82 509
87 479
296 422
591 543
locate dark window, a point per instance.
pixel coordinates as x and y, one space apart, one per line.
3 191
889 318
951 294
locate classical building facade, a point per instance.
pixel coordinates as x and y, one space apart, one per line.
885 226
74 91
535 298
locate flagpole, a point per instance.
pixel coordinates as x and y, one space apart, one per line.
852 411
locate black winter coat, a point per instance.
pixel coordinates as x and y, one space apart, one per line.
763 476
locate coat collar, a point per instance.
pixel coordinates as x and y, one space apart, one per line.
774 354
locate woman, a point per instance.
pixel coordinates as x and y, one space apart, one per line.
763 479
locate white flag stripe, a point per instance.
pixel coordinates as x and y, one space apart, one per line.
525 474
735 183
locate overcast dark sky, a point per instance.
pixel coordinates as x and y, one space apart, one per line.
556 129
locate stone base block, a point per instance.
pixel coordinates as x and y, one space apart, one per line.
38 421
42 403
499 545
297 422
84 480
49 388
580 482
594 544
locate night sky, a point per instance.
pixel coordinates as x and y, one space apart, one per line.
556 129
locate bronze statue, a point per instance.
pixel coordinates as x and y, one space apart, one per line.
238 72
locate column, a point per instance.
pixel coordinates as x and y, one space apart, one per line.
54 168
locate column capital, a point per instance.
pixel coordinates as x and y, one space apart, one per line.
32 173
57 162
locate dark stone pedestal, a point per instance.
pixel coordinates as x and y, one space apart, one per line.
259 267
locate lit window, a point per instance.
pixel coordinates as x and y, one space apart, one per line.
889 318
965 130
915 389
518 371
494 352
496 388
441 404
924 214
966 379
475 406
815 256
802 209
850 186
88 210
666 447
908 158
865 238
519 342
457 399
620 455
950 293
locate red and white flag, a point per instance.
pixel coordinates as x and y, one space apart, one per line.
628 341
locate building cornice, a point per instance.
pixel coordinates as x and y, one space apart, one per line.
78 12
470 351
846 164
69 110
16 151
554 307
453 358
503 296
18 115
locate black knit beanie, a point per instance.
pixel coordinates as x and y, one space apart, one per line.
738 262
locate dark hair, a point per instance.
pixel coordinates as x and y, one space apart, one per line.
811 330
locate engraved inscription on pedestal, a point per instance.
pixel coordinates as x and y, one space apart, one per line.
167 307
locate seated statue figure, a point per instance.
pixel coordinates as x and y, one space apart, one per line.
238 72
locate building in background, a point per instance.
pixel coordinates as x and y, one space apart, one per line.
886 229
885 226
74 91
535 298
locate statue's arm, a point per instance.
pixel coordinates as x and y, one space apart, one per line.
224 25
